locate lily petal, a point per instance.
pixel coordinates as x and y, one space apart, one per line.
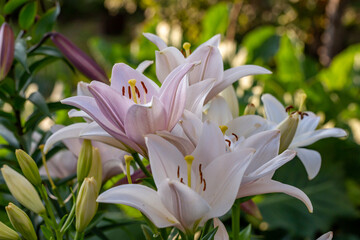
192 126
144 65
75 113
230 97
219 192
307 124
182 144
274 110
247 125
265 185
221 233
133 195
166 61
311 137
219 111
214 41
183 202
311 160
326 236
156 40
233 74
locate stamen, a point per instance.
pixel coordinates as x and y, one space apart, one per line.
204 188
128 160
123 90
137 91
189 160
182 180
223 128
236 137
302 102
228 141
144 87
129 92
186 47
201 174
288 108
178 172
132 83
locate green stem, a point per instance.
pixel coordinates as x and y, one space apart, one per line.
235 220
141 164
68 220
78 235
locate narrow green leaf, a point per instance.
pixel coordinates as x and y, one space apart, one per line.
38 100
210 235
46 23
48 51
20 53
245 234
12 5
9 136
27 15
47 233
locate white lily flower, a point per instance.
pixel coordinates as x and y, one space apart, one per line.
306 133
189 189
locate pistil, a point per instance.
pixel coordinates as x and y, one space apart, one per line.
189 160
132 83
128 160
223 128
186 47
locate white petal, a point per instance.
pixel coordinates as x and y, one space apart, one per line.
61 165
221 233
192 126
214 41
166 61
165 159
183 202
265 185
223 177
82 89
142 198
219 111
311 137
233 74
311 160
71 131
156 40
326 236
182 144
230 97
76 113
144 65
274 110
210 146
247 125
307 124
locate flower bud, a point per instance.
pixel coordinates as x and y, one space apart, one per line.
28 167
288 129
7 233
96 167
86 205
22 190
84 160
250 109
21 222
251 208
79 59
7 49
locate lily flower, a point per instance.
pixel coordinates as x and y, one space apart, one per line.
133 105
7 49
306 133
211 65
188 190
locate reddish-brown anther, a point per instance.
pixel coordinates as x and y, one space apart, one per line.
79 59
6 49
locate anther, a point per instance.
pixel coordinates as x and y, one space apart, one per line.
223 128
128 160
201 175
182 180
236 137
228 141
186 47
123 90
204 188
132 83
189 160
129 92
178 172
288 108
144 87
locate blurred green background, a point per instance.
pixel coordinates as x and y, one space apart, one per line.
311 46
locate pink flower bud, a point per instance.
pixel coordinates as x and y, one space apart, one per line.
6 49
251 208
79 59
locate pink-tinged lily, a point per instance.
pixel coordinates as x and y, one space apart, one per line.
6 49
306 133
78 58
133 105
211 65
326 236
189 189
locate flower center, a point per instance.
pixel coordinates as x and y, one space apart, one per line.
186 47
132 83
189 160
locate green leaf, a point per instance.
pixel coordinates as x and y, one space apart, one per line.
147 232
210 235
289 68
12 5
20 53
215 21
245 234
47 233
47 51
9 136
46 23
38 100
2 20
27 15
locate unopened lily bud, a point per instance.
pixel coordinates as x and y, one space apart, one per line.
22 190
79 59
7 233
86 205
21 222
96 167
28 167
288 129
251 208
250 109
7 49
84 160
